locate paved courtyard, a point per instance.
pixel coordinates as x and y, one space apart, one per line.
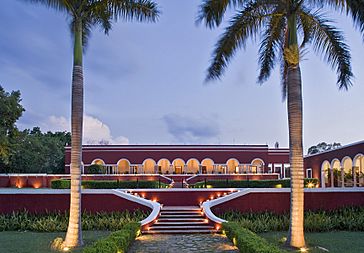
182 243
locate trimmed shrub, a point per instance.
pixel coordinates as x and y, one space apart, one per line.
108 184
95 169
118 241
279 183
247 241
57 222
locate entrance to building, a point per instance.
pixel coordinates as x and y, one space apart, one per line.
178 169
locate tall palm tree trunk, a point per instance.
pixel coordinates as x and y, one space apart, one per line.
295 120
74 231
294 103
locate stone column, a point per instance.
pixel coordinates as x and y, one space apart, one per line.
342 177
354 176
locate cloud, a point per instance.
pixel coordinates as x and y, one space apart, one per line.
94 130
186 129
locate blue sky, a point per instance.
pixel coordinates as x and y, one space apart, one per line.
144 82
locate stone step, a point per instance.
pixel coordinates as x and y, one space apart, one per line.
181 212
181 223
180 219
189 227
181 231
181 216
180 208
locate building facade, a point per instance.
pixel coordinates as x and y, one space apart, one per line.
342 167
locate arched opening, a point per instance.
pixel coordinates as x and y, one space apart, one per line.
123 166
325 174
232 166
359 169
347 164
336 172
207 166
257 165
178 166
164 166
193 166
149 166
98 162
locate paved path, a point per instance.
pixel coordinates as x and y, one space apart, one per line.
182 244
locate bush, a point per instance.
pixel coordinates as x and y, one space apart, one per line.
118 241
107 184
57 222
349 219
96 169
279 183
247 241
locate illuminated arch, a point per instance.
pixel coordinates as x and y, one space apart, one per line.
193 166
149 166
178 165
232 165
208 165
123 166
325 174
336 171
164 166
257 165
98 161
358 164
347 165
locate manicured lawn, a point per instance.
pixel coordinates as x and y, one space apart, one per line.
31 242
335 242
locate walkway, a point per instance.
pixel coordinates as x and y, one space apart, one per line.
182 244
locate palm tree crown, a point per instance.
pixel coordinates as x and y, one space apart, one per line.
269 19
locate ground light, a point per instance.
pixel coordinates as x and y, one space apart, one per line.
303 249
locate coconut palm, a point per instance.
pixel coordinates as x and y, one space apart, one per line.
83 16
285 28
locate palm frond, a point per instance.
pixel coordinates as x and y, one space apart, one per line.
270 45
329 42
212 11
243 26
140 10
59 5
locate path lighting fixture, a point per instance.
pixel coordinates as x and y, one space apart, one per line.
217 227
303 249
65 249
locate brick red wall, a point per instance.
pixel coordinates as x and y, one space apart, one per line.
41 203
280 202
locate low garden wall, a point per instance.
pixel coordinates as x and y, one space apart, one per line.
44 180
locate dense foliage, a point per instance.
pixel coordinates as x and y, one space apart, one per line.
10 111
109 184
279 183
95 169
247 241
118 241
322 147
57 221
27 151
349 219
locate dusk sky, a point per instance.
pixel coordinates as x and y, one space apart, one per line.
144 83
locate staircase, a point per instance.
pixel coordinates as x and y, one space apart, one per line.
181 220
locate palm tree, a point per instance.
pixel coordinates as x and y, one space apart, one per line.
279 23
83 16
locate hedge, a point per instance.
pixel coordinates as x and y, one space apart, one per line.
118 241
278 183
247 241
108 184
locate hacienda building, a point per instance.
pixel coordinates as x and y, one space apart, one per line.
342 167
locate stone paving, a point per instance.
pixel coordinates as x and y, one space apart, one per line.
182 244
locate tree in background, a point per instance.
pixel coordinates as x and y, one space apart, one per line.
10 111
36 152
279 23
84 15
322 147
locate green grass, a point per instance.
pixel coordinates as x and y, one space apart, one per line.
335 242
33 242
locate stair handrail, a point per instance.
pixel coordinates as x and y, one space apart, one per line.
155 206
